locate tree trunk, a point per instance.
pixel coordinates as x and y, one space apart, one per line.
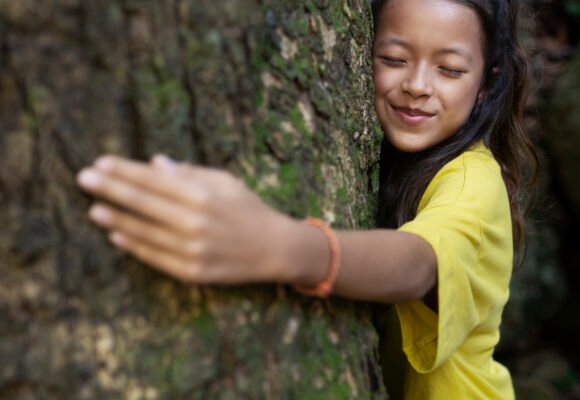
279 92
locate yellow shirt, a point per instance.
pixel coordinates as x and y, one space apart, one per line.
465 216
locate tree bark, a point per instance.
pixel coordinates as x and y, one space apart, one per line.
277 92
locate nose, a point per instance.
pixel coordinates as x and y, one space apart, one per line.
419 82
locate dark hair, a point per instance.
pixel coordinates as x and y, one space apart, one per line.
497 119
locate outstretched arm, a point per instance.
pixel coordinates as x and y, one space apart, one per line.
203 225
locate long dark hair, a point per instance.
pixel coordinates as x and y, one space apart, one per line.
496 119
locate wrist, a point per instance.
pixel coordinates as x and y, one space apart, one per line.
325 286
300 252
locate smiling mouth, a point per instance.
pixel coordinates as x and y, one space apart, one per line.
412 116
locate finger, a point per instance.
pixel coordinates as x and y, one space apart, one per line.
178 267
134 198
164 163
186 269
216 179
146 230
167 181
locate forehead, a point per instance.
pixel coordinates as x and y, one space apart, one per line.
430 25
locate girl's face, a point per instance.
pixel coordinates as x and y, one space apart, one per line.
428 70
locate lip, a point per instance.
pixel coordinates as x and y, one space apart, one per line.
412 116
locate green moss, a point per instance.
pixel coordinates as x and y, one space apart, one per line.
179 372
263 129
336 19
289 175
322 99
251 181
205 327
298 122
340 391
313 206
39 99
342 195
297 25
30 122
299 69
312 7
190 362
321 372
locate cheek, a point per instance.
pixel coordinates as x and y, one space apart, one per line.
382 79
464 98
381 75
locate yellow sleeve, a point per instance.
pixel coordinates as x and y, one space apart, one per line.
453 215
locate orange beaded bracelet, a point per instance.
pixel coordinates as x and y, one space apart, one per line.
324 288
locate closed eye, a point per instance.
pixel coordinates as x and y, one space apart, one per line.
455 73
392 61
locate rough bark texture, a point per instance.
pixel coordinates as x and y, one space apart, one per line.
277 92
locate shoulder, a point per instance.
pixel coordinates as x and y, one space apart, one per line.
472 181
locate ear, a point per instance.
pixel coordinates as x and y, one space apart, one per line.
483 91
481 95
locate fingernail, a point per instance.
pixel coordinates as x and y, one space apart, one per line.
105 164
100 214
117 238
163 161
89 179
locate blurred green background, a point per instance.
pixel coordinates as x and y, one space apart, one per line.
542 320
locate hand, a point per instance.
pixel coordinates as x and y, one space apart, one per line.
197 224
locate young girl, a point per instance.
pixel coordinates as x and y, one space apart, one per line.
449 78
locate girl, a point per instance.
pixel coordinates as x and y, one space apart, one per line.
449 88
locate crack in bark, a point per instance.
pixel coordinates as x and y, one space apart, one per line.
60 259
35 156
137 129
198 150
3 61
240 107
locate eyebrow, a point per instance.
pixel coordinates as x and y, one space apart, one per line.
460 51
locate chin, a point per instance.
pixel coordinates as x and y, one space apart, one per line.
408 146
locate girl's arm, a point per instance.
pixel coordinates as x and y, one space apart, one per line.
203 225
379 265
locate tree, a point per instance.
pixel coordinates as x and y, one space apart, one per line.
277 92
